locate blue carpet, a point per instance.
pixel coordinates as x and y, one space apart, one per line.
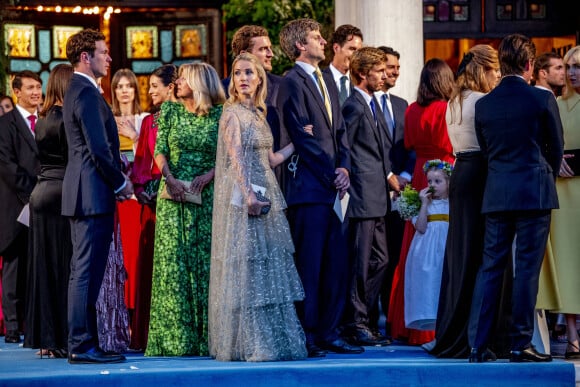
396 365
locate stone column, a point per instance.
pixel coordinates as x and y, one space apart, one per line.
394 23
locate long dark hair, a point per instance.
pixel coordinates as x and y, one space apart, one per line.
58 82
168 75
436 82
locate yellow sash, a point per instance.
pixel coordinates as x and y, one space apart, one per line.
438 217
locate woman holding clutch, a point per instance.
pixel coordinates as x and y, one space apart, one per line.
253 282
563 244
185 154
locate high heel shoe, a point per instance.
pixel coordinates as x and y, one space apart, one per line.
572 355
58 353
43 352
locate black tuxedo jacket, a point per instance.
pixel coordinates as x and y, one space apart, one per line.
301 104
19 167
402 159
370 145
519 130
93 172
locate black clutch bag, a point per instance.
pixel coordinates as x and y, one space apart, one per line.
262 198
573 162
151 187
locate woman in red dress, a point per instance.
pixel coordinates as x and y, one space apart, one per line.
426 134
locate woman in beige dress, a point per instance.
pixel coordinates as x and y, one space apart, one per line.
564 245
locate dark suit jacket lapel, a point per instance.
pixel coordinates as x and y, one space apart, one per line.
332 94
368 114
378 131
23 130
309 83
272 95
398 112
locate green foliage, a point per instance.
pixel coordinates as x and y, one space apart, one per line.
3 61
409 202
273 15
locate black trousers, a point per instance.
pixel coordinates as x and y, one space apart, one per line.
91 239
321 260
396 229
531 229
369 260
14 263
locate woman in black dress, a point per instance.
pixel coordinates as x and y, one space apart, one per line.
478 74
50 247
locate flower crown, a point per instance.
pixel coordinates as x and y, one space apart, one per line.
438 164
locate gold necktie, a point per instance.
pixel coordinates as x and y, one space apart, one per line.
324 92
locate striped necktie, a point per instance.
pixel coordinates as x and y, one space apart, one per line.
324 92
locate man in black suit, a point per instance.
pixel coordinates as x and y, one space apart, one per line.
256 41
92 181
345 40
18 169
320 177
402 165
370 145
519 130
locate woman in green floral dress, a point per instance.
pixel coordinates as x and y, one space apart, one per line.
185 151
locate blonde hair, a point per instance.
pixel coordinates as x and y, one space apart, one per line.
471 74
259 97
130 75
205 84
573 53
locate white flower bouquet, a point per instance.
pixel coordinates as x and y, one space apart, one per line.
409 202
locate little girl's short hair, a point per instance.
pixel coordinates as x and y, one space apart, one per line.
437 164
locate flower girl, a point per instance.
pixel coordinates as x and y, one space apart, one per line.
424 264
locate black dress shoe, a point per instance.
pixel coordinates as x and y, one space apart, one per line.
481 355
529 355
364 337
94 356
314 350
341 346
108 353
12 337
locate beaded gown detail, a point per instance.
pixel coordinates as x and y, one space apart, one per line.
253 280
